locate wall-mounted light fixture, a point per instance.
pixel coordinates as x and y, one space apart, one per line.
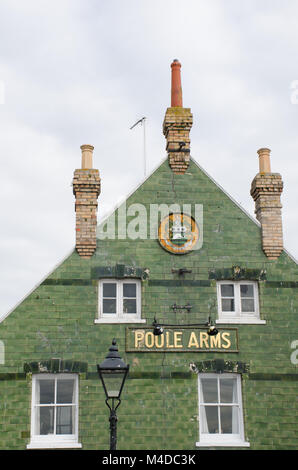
158 328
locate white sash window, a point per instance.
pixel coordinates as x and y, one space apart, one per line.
220 410
119 301
238 302
54 412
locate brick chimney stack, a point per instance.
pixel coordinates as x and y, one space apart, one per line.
86 188
177 125
266 189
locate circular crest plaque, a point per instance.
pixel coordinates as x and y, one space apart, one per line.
178 233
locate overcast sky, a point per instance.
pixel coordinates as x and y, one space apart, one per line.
76 72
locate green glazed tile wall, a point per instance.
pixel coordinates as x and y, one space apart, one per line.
159 408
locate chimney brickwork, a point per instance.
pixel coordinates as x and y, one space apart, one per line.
86 188
266 189
177 125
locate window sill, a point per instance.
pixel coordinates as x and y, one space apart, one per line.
119 320
54 445
241 321
223 444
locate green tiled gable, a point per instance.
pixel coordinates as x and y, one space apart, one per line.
54 327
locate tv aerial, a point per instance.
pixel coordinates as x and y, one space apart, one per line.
142 122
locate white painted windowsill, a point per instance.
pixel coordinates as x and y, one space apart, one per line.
223 444
241 321
54 445
119 320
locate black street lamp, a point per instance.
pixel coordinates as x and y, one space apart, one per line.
113 372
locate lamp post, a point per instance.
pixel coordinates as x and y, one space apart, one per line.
113 372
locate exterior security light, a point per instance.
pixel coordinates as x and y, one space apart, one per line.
158 330
212 330
158 327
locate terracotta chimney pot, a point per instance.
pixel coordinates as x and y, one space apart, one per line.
176 91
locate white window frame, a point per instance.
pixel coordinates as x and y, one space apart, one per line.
53 441
221 439
238 316
119 316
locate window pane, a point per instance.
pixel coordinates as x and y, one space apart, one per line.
65 391
209 388
247 290
109 289
109 306
64 420
46 420
227 305
229 419
46 391
129 290
129 306
209 419
227 290
247 305
228 391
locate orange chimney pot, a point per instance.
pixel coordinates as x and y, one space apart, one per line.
176 91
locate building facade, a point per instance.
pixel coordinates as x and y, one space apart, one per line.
200 298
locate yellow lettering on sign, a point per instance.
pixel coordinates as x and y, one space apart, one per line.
204 339
168 340
149 339
177 339
215 341
139 338
225 337
160 341
193 341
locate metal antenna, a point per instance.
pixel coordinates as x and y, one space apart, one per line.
142 121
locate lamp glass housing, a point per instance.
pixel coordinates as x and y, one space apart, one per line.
113 380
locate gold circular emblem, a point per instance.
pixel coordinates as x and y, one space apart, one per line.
178 233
